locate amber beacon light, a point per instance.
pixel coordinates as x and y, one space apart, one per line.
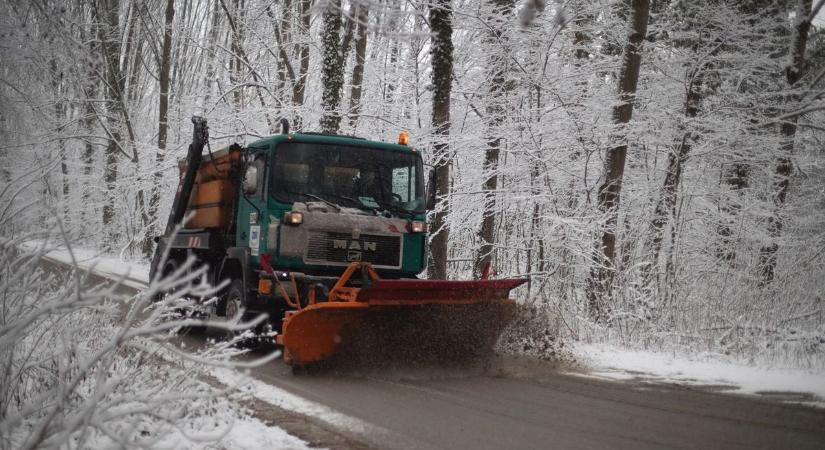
404 138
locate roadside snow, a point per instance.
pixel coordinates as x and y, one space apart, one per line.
230 429
132 274
291 402
618 364
246 433
253 434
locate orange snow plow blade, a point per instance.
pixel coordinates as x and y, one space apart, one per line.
400 319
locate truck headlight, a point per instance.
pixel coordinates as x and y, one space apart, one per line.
294 218
419 226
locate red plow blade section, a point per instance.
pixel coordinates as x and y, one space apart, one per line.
438 292
404 320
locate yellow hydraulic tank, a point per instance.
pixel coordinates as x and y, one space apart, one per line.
214 191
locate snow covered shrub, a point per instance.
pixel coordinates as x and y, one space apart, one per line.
84 365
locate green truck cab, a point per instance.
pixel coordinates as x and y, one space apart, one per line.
292 211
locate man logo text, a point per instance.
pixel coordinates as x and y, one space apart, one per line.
353 245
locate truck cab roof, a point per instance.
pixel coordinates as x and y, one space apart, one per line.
321 138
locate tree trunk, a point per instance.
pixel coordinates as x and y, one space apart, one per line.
240 62
358 68
332 74
784 166
106 14
601 275
60 117
163 126
676 159
211 46
302 50
497 90
236 62
441 50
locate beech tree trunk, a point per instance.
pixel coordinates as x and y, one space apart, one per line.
441 51
302 50
358 68
610 190
784 165
497 90
106 14
211 50
664 210
163 125
332 74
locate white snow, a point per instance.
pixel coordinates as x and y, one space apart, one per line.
619 364
227 429
233 430
247 433
253 434
131 273
291 402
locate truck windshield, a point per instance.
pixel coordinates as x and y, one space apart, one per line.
361 177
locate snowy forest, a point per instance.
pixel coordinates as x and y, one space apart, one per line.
656 168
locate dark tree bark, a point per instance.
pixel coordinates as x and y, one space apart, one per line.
60 118
610 190
497 89
163 125
784 165
240 62
302 50
358 68
236 65
441 50
106 15
211 46
664 210
332 74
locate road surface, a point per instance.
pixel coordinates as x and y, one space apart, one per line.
505 408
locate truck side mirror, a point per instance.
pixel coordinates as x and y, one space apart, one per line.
250 179
431 189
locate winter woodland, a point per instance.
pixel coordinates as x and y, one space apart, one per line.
656 168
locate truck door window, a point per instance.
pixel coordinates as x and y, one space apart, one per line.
401 183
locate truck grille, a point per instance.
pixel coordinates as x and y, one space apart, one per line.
341 248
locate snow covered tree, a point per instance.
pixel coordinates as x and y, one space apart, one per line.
441 52
332 74
614 164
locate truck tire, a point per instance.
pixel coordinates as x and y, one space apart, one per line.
168 268
230 308
233 300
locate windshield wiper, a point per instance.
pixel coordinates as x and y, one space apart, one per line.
353 201
315 197
394 208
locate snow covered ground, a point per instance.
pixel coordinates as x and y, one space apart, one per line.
618 364
236 430
247 433
132 274
291 402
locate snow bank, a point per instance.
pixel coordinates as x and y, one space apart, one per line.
132 274
244 433
291 402
616 363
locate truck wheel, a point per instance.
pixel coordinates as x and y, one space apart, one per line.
231 308
170 267
233 300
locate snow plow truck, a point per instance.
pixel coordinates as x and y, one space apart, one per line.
326 235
